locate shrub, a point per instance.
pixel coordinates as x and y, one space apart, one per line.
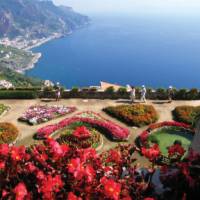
134 115
74 90
186 114
8 133
18 94
110 90
193 94
181 94
122 91
162 93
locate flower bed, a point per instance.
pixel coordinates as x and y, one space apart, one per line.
8 133
80 135
42 113
149 145
3 109
134 115
52 171
94 119
185 114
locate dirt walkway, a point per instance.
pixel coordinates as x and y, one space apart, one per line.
26 132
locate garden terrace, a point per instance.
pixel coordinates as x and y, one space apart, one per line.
56 171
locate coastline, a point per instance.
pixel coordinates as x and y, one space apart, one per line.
31 65
39 42
43 41
37 56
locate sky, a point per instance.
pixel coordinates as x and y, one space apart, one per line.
133 6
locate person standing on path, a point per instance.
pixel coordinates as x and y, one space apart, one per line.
143 94
170 94
58 92
132 94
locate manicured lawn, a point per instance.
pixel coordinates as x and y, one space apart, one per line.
167 136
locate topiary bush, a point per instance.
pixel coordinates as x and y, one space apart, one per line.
134 115
186 114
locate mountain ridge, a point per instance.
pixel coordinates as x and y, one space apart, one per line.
37 18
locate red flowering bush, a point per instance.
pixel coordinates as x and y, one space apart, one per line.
113 129
8 132
134 115
82 133
186 114
151 153
52 171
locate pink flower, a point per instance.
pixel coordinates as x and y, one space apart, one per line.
72 196
20 191
2 165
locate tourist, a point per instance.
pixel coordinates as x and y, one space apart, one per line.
143 94
132 94
170 94
58 92
128 88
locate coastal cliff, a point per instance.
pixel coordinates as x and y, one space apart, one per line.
36 19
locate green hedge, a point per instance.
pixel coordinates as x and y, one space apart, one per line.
17 94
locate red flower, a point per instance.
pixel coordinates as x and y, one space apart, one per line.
49 185
4 150
72 196
87 154
176 150
76 168
89 173
151 153
2 165
82 133
111 188
114 156
40 175
17 153
20 191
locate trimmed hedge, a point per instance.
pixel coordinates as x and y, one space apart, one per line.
186 114
91 93
18 94
133 115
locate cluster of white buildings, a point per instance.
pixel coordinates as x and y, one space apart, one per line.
6 84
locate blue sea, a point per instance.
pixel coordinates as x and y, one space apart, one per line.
157 51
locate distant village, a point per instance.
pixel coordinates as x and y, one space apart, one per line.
26 43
